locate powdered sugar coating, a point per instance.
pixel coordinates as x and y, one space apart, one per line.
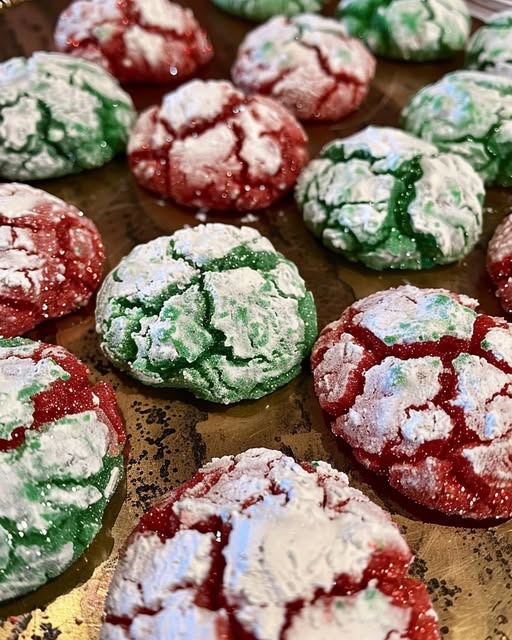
391 200
499 262
249 513
214 309
51 258
59 115
264 9
60 447
490 47
135 40
226 151
420 386
307 63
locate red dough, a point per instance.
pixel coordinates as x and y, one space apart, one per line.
51 258
153 41
308 63
499 262
209 146
420 386
257 542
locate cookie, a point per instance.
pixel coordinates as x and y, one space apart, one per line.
61 441
214 309
392 201
418 30
490 47
264 9
151 41
51 258
259 546
499 262
420 386
209 146
468 113
308 64
59 115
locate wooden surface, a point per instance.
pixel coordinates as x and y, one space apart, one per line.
466 566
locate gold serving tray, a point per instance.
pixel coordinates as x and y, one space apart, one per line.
467 567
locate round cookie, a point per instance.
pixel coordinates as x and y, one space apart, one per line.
154 41
392 201
490 47
420 386
418 30
264 9
499 262
59 115
308 64
214 309
259 546
468 113
61 441
210 146
51 258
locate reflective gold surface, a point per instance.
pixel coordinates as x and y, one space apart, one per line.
468 569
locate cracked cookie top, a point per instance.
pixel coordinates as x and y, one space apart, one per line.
265 9
416 30
59 115
490 47
135 40
468 113
392 201
499 262
257 546
61 442
51 258
208 145
307 63
420 385
214 309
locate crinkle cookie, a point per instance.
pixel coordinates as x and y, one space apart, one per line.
468 113
259 546
61 441
59 115
490 47
420 386
265 9
214 309
307 63
499 262
135 40
418 30
392 201
210 146
51 258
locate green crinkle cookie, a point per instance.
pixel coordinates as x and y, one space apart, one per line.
59 115
468 113
392 201
408 29
214 309
490 48
263 9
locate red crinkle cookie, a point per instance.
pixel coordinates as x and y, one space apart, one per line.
259 546
51 258
420 385
154 41
308 63
499 262
210 146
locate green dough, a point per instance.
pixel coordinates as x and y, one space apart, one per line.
468 113
263 9
408 29
59 115
490 48
392 201
213 309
